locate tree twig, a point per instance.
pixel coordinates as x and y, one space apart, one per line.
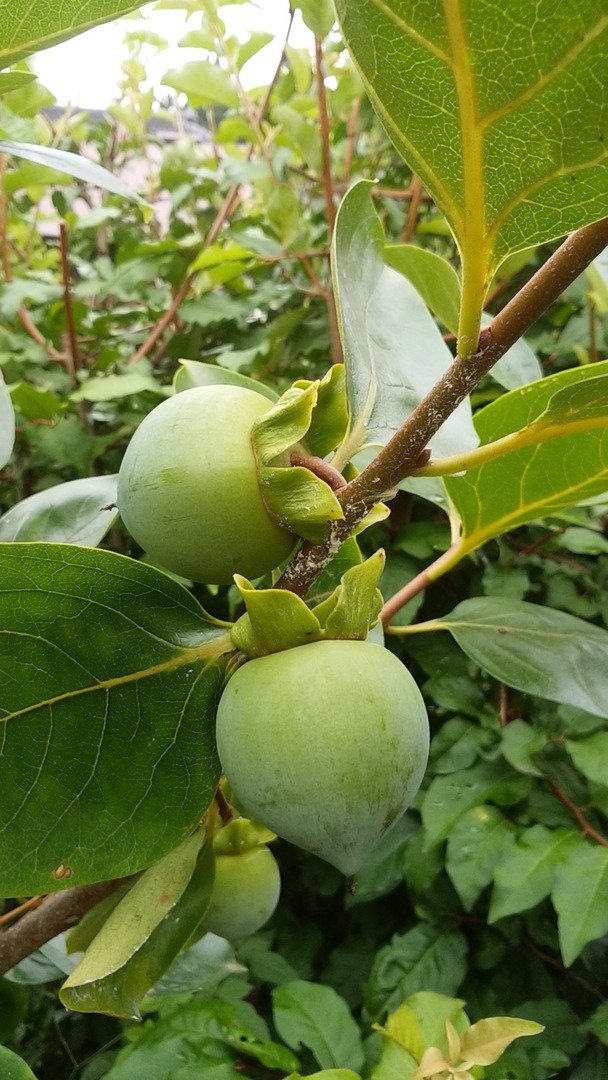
398 459
328 193
74 350
576 812
57 913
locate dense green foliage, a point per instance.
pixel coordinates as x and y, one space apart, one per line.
492 890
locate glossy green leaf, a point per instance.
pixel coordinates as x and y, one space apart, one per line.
580 898
527 871
203 83
7 424
12 1067
394 351
314 1016
72 164
449 797
537 650
144 934
12 80
77 512
479 841
194 373
461 121
115 387
429 957
116 659
538 479
432 276
198 1038
591 756
21 33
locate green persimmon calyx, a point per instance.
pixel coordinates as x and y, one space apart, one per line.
326 744
188 488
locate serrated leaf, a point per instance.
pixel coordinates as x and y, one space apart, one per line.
72 164
550 475
116 659
315 1016
461 125
537 650
479 842
7 424
484 1042
527 872
203 83
394 351
12 1067
580 898
144 934
21 34
77 512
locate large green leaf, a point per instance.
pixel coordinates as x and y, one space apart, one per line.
77 512
503 116
110 675
394 352
14 80
12 1067
543 477
26 27
203 83
73 164
449 797
535 649
580 897
526 873
144 933
7 424
429 957
307 1014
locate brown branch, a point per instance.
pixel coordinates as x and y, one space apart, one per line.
73 363
17 912
381 478
576 812
417 194
28 325
57 913
351 135
328 193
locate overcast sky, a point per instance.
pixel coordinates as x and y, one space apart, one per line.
85 71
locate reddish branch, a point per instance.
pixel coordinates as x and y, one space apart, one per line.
576 812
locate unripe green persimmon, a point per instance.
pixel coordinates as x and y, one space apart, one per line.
325 744
245 893
188 489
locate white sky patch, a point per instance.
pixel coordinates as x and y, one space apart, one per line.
86 70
